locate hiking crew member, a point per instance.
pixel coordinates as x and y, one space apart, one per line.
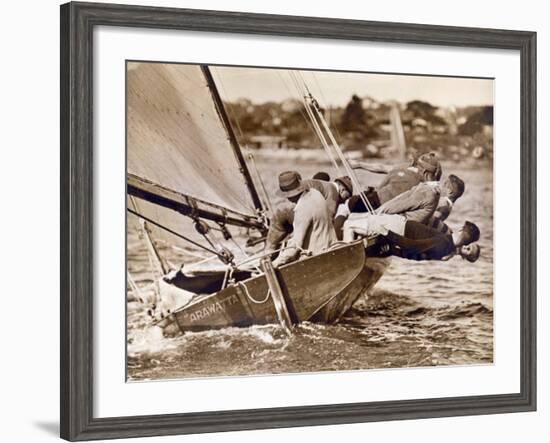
421 242
454 188
413 240
427 202
417 204
397 181
312 227
427 164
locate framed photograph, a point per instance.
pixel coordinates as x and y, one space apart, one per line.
274 221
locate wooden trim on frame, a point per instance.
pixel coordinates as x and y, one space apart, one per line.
77 23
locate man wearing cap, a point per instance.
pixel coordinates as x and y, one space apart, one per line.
312 226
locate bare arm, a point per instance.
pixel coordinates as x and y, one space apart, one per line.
448 257
376 168
442 212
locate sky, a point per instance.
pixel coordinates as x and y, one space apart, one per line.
336 88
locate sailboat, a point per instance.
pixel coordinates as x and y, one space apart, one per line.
190 187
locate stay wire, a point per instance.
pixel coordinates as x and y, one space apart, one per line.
304 93
187 239
343 159
313 106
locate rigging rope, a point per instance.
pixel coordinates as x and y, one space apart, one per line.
343 159
314 122
326 105
221 256
312 107
135 288
321 136
302 113
241 141
158 266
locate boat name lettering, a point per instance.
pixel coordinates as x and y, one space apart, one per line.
213 308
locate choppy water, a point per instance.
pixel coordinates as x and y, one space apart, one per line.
419 314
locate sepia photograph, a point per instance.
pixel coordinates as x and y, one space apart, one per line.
284 221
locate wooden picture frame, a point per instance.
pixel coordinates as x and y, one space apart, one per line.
77 214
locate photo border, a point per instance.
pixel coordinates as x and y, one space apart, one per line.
77 213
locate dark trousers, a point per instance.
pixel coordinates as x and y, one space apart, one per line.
420 242
356 204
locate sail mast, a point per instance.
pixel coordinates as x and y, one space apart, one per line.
232 139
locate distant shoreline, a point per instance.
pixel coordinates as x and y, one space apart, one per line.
318 156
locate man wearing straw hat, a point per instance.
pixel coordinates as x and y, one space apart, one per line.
313 231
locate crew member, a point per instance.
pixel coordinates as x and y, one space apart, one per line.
454 190
413 240
335 192
280 224
282 219
429 203
312 227
397 181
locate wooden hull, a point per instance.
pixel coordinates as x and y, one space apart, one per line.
333 311
321 287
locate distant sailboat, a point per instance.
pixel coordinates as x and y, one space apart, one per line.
189 184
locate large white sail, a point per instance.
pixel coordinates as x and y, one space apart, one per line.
177 139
